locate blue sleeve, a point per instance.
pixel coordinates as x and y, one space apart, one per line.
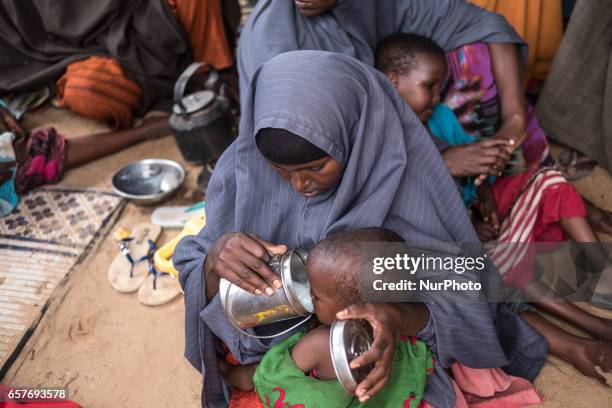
444 125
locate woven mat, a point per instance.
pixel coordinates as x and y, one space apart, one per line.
50 231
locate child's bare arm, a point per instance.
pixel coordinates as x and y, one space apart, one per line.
312 352
240 376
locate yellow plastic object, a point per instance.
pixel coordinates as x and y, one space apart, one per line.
163 256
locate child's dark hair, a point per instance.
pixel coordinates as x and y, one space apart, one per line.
397 53
347 252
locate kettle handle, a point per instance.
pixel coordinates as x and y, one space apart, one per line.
181 83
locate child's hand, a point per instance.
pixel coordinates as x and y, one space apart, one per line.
488 206
484 230
486 157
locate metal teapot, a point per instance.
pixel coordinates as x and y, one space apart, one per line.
201 122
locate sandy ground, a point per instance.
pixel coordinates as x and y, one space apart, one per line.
112 351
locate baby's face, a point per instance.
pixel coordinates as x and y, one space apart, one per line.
325 304
421 87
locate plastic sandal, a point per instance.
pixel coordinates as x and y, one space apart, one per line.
159 287
176 217
129 269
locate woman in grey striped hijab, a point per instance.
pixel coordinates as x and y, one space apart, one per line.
355 27
391 175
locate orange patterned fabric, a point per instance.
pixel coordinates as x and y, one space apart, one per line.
203 20
539 22
245 399
97 88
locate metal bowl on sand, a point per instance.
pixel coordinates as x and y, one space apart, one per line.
149 181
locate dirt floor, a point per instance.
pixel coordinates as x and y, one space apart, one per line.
112 351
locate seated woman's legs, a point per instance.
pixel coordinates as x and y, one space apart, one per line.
597 327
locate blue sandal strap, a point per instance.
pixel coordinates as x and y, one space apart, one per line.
125 251
152 270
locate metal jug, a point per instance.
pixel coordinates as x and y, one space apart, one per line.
201 121
245 309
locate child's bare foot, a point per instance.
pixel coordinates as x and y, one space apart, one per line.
603 331
590 354
600 220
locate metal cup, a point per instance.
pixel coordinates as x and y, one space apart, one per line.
246 310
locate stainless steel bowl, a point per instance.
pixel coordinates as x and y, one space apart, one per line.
148 181
348 340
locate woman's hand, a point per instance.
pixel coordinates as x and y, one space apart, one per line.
242 259
487 157
386 320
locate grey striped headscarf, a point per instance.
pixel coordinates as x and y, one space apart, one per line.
393 176
355 27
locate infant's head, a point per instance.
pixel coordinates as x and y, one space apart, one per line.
334 266
417 67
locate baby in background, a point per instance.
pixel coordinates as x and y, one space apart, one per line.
299 370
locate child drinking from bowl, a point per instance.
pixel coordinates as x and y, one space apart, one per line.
299 370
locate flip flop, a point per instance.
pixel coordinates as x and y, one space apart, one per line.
158 288
176 217
130 268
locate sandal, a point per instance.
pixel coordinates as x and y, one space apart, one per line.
159 287
129 269
176 217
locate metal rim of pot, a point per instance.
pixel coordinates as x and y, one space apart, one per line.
287 279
